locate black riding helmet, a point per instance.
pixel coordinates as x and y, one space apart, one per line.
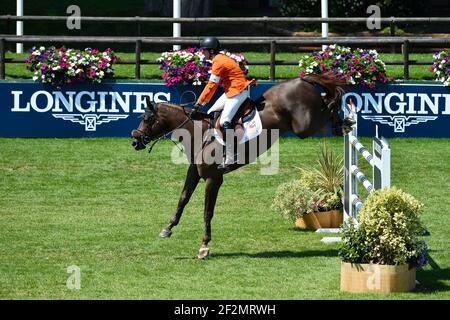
210 43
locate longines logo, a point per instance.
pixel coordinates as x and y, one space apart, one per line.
403 109
87 108
90 122
399 122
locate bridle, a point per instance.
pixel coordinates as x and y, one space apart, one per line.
145 136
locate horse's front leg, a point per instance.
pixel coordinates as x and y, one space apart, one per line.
192 179
211 190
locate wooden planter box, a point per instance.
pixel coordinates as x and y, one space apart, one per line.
317 220
377 278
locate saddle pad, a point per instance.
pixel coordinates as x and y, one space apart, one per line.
252 128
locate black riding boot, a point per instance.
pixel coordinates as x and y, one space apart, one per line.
229 154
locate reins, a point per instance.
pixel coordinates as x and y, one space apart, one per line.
163 136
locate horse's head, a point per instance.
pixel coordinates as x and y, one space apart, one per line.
150 127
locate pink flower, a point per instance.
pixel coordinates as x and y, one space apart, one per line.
372 68
92 73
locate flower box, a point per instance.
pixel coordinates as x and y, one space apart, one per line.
377 278
317 220
59 66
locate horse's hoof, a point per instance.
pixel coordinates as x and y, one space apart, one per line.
203 253
165 233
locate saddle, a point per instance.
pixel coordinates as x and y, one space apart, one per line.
244 110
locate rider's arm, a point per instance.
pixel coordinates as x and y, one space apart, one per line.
211 86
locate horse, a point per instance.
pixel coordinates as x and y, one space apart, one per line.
296 105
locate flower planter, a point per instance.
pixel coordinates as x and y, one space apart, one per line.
336 218
308 222
317 220
377 278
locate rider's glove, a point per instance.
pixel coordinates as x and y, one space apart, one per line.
195 109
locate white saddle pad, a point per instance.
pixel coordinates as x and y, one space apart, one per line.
252 128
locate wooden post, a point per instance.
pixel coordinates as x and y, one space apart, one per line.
265 31
392 33
138 59
405 49
2 58
272 60
138 26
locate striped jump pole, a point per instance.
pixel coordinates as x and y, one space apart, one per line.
379 160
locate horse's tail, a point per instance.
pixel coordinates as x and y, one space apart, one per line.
333 88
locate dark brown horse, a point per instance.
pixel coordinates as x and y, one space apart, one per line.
295 105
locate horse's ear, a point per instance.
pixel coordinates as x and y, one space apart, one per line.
150 104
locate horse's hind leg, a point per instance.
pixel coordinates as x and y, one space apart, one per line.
192 179
211 191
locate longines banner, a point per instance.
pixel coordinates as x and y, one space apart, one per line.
29 109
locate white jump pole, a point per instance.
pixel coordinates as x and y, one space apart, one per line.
19 25
176 26
324 6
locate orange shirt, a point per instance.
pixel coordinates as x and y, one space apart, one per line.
226 71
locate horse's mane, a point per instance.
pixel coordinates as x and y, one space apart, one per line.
171 106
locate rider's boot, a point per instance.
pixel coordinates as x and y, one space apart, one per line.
229 158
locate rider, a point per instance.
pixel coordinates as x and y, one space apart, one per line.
227 72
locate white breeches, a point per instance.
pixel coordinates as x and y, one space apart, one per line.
229 105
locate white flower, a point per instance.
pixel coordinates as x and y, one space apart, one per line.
35 78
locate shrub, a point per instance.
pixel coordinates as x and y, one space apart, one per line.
58 66
326 180
352 8
353 248
189 66
293 199
389 225
360 66
441 67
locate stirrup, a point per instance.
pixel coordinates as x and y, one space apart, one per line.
224 166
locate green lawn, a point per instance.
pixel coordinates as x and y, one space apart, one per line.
98 204
14 71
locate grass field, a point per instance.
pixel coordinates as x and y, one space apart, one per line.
14 71
98 204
